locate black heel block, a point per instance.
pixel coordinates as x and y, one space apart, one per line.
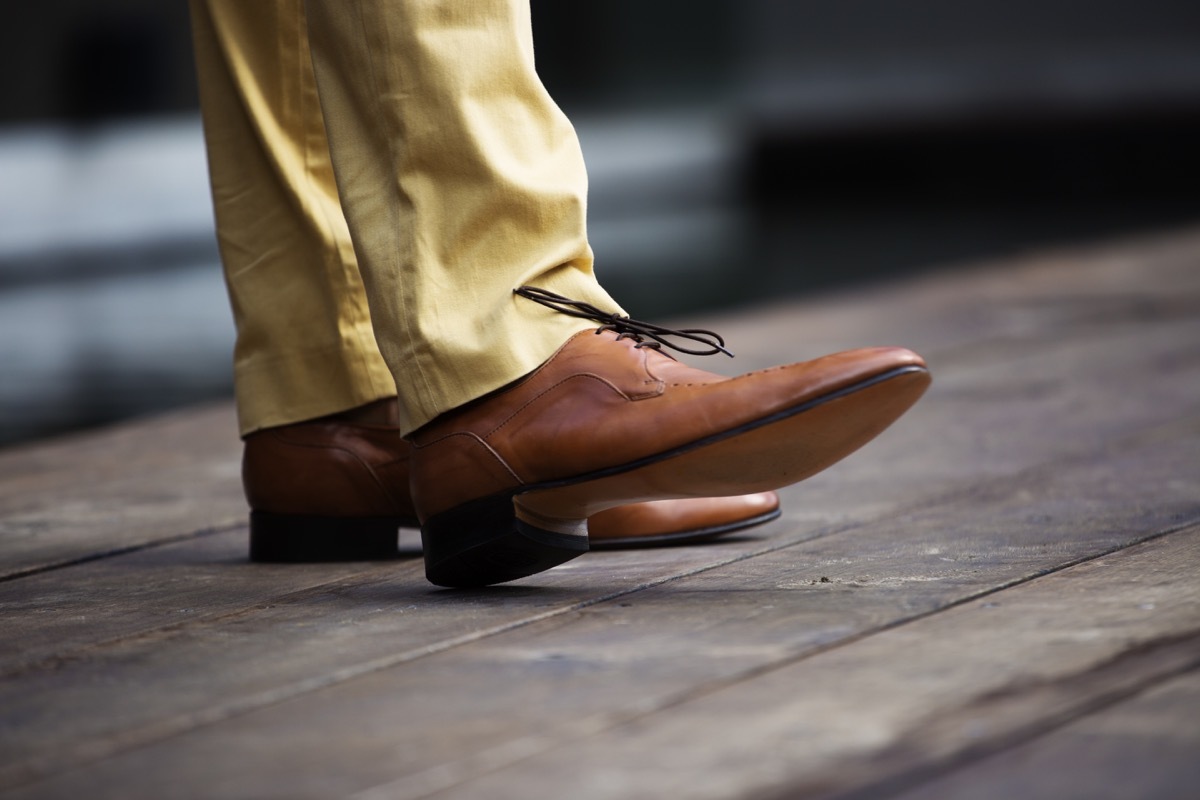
297 538
483 542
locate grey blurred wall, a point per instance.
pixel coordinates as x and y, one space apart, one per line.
87 59
70 59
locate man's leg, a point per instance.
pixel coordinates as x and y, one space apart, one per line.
461 180
305 346
531 405
326 472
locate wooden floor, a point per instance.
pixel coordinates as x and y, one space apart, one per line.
998 598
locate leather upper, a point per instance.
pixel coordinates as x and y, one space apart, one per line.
332 469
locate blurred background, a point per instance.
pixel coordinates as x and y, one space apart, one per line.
738 150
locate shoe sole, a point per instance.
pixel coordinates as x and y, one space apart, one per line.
520 533
304 539
692 536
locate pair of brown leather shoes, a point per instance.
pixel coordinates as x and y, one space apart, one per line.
504 486
337 489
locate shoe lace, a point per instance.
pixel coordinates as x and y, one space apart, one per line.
627 327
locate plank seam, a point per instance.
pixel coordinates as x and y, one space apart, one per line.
1181 654
119 551
165 630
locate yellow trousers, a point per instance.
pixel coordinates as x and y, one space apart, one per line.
384 174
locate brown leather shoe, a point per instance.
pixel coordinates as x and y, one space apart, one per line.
335 489
504 485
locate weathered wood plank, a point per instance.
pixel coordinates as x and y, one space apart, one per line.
142 482
1062 424
61 614
1145 747
504 697
851 716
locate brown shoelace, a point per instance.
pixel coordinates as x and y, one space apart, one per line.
627 327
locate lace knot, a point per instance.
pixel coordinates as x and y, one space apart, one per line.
627 327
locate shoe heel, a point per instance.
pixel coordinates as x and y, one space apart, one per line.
490 541
299 538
